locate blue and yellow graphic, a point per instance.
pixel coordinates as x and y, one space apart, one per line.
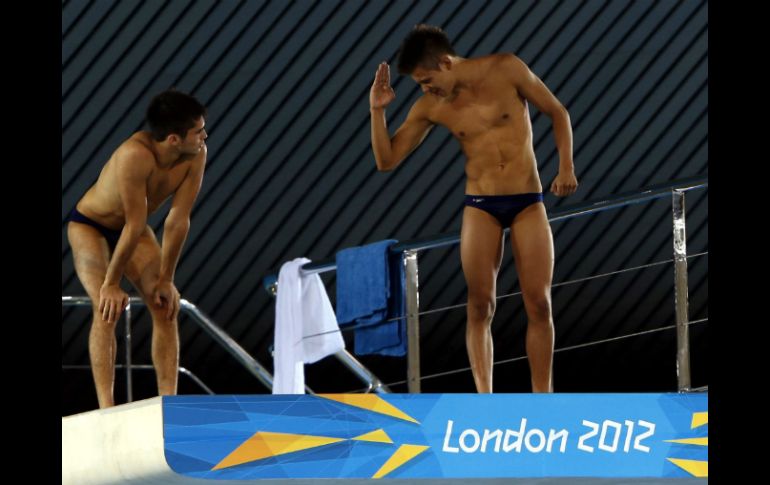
697 468
437 435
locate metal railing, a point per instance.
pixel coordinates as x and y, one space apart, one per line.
224 340
409 254
220 336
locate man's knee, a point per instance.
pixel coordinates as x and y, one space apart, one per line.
99 322
159 313
481 309
538 305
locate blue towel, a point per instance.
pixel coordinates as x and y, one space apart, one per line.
367 296
387 338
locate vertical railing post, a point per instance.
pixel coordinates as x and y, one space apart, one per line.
680 292
129 383
412 321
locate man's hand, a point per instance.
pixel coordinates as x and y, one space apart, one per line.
564 184
166 296
381 93
112 301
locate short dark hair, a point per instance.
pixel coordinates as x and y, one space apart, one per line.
423 47
173 112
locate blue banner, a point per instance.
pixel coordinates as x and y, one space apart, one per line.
437 435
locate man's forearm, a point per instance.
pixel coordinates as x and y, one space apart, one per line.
380 138
129 238
174 236
562 131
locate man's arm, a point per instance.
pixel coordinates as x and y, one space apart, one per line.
389 152
133 166
535 91
175 231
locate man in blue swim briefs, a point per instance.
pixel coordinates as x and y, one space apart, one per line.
110 237
483 102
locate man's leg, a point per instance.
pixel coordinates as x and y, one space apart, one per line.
532 244
143 270
91 256
481 252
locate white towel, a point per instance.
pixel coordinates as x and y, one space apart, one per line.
306 328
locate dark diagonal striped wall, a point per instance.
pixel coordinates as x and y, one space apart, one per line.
291 173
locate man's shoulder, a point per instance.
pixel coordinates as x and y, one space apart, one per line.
135 157
135 148
505 60
503 65
493 59
423 106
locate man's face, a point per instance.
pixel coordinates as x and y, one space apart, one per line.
438 82
193 142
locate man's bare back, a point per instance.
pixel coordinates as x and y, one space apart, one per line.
102 201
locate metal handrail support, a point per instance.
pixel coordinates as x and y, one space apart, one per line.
412 322
373 382
680 292
230 345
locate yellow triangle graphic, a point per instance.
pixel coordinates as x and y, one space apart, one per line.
691 441
699 419
370 402
696 468
264 445
403 454
377 436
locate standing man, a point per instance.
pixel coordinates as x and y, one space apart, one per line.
110 238
483 102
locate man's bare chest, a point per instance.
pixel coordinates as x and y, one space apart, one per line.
468 116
